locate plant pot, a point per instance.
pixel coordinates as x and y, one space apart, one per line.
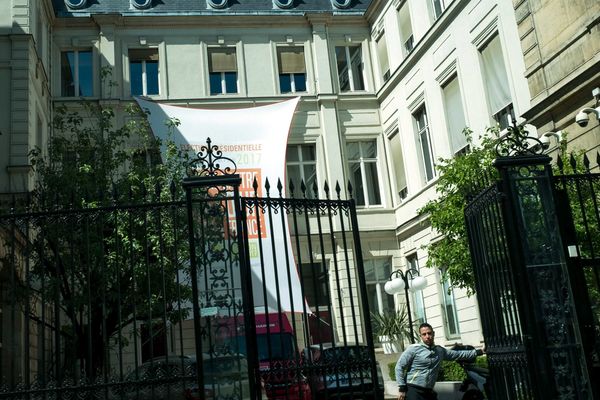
390 346
448 390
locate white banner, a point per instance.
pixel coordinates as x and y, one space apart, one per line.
255 139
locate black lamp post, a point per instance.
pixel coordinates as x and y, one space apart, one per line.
407 280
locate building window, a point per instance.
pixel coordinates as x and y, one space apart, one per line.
449 308
143 71
424 139
350 68
222 70
398 163
76 73
364 177
418 304
438 7
314 284
377 273
302 167
292 69
455 116
406 31
154 341
382 54
315 287
496 82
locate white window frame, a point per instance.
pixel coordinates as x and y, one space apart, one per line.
223 81
291 74
301 163
443 7
421 132
76 77
349 68
418 299
144 72
445 287
455 150
401 192
385 75
362 161
503 112
379 283
406 50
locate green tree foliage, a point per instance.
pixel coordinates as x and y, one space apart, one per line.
466 174
459 177
106 260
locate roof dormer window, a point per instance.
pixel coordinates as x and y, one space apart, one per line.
75 4
341 3
284 3
141 4
217 3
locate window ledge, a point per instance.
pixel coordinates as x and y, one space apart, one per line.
225 95
371 209
74 98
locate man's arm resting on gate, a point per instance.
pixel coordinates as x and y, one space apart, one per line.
402 367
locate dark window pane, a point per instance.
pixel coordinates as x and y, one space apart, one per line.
85 73
369 266
373 183
300 81
231 82
67 73
308 153
152 77
342 66
135 76
437 8
292 154
285 83
356 63
215 83
314 282
452 329
427 159
369 149
353 150
293 174
310 178
356 180
421 119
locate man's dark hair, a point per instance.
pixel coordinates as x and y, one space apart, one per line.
425 325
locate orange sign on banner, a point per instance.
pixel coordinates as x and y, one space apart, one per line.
246 190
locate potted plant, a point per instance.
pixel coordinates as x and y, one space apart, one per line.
391 328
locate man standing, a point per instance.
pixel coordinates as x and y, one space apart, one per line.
418 366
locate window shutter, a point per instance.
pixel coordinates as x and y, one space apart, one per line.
291 60
496 79
222 60
382 53
143 54
455 115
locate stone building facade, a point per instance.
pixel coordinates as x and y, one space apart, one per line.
561 49
386 88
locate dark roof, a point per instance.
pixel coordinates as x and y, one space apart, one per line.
201 7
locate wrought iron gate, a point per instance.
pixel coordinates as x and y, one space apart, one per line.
221 292
538 304
279 285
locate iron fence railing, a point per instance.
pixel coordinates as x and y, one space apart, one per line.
98 300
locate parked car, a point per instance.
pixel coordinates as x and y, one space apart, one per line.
339 371
175 378
162 378
280 363
225 377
